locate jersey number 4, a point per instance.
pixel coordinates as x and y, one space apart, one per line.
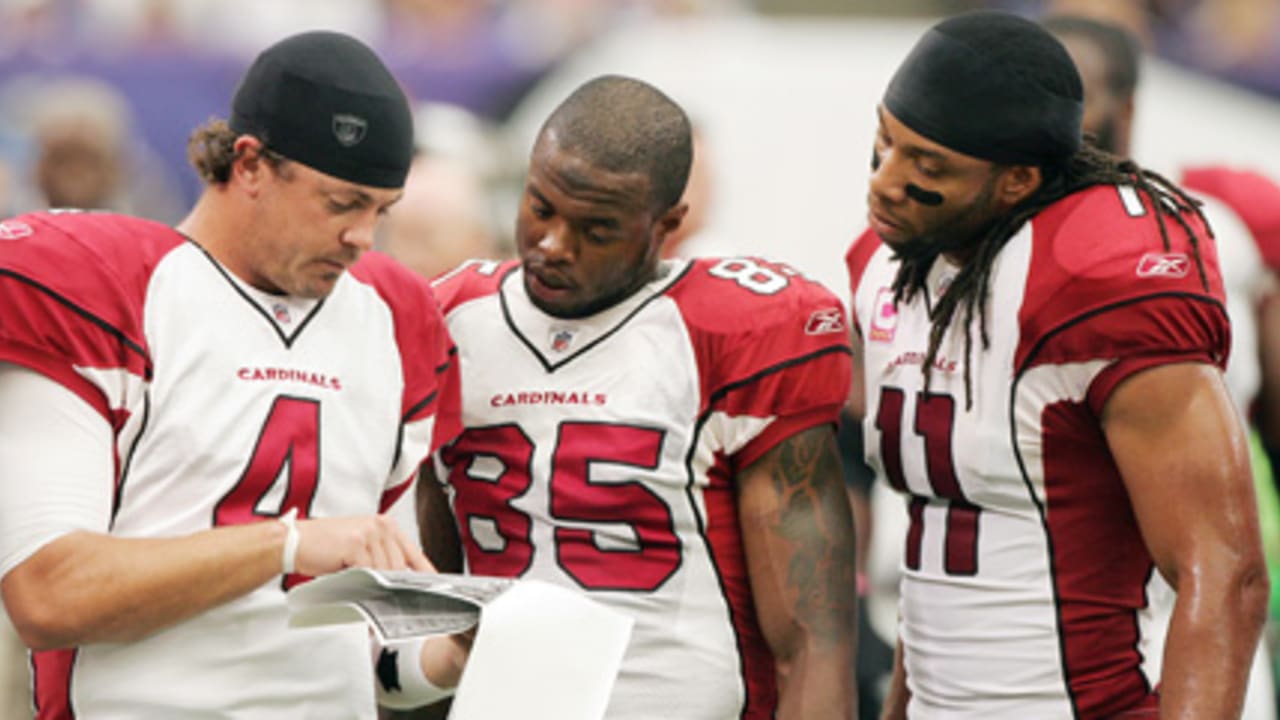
492 466
935 419
290 438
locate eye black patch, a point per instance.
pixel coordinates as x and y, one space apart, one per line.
915 192
924 197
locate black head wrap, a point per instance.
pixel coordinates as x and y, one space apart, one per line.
325 100
991 85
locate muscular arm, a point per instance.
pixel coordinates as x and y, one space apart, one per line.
898 696
798 537
1177 442
857 402
88 587
83 586
1268 418
437 530
855 409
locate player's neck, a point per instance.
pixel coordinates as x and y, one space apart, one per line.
213 225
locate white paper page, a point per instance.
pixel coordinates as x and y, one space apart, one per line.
542 653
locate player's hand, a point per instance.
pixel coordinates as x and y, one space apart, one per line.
328 545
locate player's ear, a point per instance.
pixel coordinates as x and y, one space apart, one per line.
670 220
248 169
1017 183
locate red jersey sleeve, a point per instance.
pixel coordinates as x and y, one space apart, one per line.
770 344
470 280
1102 286
72 289
431 406
1254 197
856 260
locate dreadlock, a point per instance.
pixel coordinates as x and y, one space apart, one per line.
1088 167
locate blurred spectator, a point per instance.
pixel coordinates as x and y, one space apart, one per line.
219 26
7 199
1132 15
80 129
83 149
696 236
441 220
1221 33
447 213
1238 40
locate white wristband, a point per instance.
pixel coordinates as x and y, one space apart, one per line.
290 541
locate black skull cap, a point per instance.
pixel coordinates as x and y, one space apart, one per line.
325 100
994 86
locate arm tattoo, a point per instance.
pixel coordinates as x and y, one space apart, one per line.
816 518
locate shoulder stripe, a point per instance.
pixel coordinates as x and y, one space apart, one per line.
719 393
94 319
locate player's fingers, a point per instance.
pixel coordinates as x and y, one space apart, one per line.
377 549
413 554
395 553
389 536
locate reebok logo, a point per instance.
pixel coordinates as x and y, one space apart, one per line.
1174 265
14 230
825 321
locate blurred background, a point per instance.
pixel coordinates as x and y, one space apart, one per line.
97 98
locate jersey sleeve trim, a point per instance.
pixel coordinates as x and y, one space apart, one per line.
99 322
60 372
394 493
782 429
421 406
452 355
100 344
1109 379
788 424
1214 348
720 393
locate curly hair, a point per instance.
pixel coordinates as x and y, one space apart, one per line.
211 151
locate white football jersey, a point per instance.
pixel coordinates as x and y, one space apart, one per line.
1024 591
600 454
229 406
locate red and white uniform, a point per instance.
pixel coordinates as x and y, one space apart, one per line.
1255 198
1024 591
226 406
600 454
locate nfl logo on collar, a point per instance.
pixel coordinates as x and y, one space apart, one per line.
281 312
561 340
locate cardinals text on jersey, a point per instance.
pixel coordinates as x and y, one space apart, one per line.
1024 574
226 410
600 454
